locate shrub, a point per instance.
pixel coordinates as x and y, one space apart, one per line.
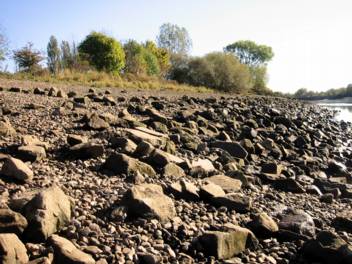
216 70
103 52
28 59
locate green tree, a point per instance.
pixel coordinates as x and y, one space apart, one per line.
250 53
162 56
53 52
174 39
134 57
27 58
151 62
103 52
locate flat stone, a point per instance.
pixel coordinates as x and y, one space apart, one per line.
228 184
209 190
142 134
66 252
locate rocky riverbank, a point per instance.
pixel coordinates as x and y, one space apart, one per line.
95 176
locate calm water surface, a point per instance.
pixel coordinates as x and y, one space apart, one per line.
344 106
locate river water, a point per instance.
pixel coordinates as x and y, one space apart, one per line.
344 107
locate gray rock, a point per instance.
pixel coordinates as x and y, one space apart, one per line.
76 139
86 150
31 153
298 222
209 190
233 148
328 248
263 225
225 245
234 201
171 170
97 123
185 190
148 201
126 145
16 169
47 213
228 184
123 164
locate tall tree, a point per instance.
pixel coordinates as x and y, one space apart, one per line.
67 55
53 52
174 39
250 53
27 58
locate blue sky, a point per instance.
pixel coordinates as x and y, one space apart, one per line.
311 39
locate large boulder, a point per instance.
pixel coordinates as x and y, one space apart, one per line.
12 222
148 201
123 164
263 225
86 150
31 153
183 189
97 123
47 213
233 201
328 248
233 148
16 169
225 245
210 190
172 170
228 184
296 223
66 252
12 250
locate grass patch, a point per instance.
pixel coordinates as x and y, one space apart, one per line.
101 79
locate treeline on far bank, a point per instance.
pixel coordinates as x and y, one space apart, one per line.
241 67
335 93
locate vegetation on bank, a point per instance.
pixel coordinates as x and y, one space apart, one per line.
337 93
102 61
